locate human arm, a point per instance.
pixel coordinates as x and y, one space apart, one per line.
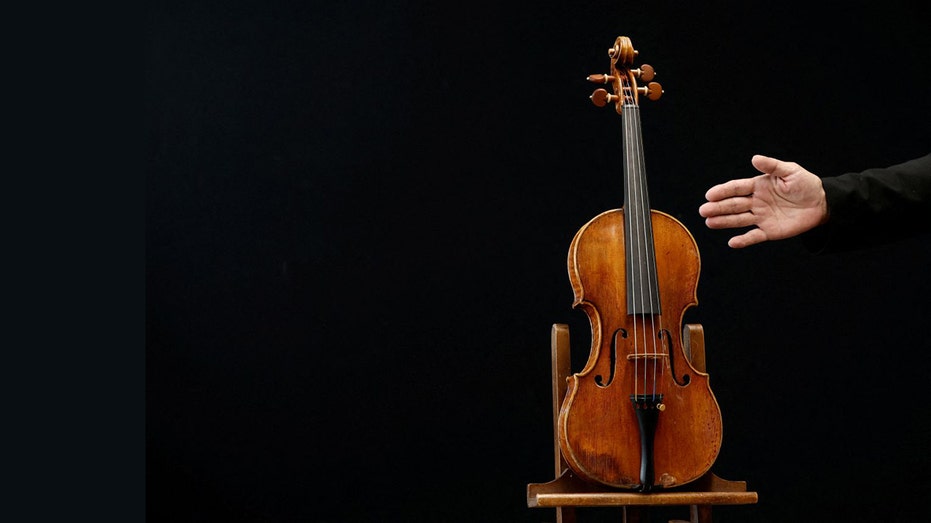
835 213
875 206
784 201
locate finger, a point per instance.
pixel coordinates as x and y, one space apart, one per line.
731 221
742 187
734 205
764 164
751 237
777 168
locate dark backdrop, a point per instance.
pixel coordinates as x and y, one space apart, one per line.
357 221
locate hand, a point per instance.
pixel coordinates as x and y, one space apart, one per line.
784 201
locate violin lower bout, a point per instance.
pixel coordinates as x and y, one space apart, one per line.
600 438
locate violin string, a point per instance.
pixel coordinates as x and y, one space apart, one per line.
647 241
651 267
638 195
631 225
635 202
643 227
642 254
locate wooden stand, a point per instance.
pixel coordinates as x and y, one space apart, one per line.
568 491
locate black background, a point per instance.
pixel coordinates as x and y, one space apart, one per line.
357 221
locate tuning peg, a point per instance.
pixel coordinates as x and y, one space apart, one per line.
645 73
652 91
598 78
601 97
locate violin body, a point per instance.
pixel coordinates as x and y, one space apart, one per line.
598 430
639 415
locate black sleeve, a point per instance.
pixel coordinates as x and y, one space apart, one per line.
874 207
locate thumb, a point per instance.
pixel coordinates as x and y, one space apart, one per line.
777 168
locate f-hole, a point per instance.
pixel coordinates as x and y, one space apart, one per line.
599 379
666 338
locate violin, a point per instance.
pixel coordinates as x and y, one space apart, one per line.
638 415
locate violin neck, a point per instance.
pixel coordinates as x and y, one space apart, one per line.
642 284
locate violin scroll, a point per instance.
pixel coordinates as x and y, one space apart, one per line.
623 79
